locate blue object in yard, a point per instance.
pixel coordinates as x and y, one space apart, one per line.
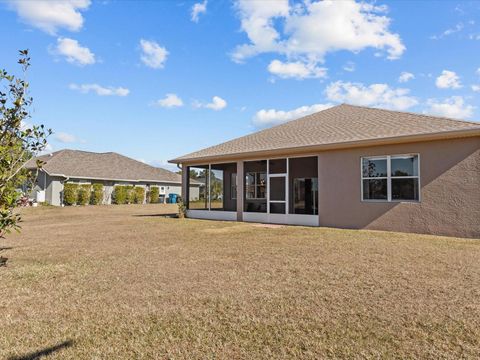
172 198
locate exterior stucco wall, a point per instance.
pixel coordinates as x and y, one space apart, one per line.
53 191
449 196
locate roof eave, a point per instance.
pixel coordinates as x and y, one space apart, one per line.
113 179
334 146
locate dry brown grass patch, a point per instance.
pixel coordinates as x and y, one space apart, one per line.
120 285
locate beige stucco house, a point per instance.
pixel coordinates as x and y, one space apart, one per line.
109 169
346 167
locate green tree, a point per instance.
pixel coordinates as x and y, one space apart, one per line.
18 142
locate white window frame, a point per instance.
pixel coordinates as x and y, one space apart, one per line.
256 185
389 177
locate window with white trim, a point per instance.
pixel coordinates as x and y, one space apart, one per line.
255 185
390 178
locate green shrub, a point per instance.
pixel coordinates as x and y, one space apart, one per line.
70 194
119 194
154 194
139 194
97 194
83 194
130 194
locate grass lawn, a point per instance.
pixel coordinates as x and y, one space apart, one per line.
120 282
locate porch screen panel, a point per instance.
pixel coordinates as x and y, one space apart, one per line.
198 187
216 189
255 198
223 187
303 185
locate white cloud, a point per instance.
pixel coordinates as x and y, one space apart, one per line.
457 28
478 72
74 52
153 55
375 95
405 77
308 31
100 90
453 107
170 101
65 138
217 104
197 9
270 117
349 66
50 16
448 80
296 70
476 88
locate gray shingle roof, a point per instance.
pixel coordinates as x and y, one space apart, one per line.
340 124
108 166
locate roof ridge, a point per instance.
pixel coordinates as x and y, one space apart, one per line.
413 113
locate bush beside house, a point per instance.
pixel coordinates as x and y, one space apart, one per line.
97 194
83 194
154 194
119 195
139 195
70 194
130 194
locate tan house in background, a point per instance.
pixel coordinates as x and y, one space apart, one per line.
109 169
346 167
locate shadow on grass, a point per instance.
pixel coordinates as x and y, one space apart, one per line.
44 352
169 216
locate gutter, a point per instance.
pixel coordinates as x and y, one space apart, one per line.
336 146
110 179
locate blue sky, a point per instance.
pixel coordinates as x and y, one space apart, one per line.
155 80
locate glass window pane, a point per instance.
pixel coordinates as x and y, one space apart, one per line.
374 167
404 165
250 192
250 179
261 178
198 187
277 208
305 192
216 189
404 189
375 189
277 166
261 192
277 188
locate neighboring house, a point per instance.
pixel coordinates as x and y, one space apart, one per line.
348 167
109 169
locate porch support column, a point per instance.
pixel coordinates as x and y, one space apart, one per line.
240 187
185 194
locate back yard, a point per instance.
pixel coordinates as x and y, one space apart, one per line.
123 282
